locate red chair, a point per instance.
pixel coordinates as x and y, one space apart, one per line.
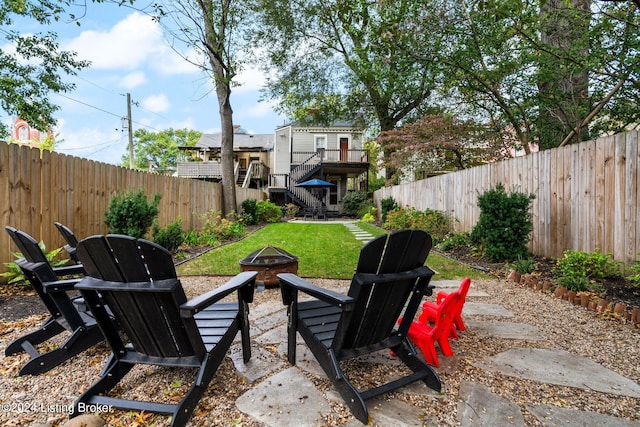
425 336
430 309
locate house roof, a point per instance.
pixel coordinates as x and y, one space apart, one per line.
241 141
309 124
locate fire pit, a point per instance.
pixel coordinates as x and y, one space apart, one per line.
269 262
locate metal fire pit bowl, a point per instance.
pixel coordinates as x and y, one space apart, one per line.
269 262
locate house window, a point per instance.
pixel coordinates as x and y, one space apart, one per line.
23 133
320 142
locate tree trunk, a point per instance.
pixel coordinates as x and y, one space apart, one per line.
226 149
563 85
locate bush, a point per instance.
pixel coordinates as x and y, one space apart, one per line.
454 241
291 210
353 202
436 223
130 214
504 225
250 211
170 237
635 277
524 265
216 228
267 211
581 271
14 273
387 205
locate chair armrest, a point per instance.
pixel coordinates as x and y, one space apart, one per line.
441 295
69 269
60 285
326 295
392 277
194 305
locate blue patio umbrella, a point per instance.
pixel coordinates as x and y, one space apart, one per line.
315 183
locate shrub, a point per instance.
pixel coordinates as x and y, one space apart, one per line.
436 223
523 265
14 273
291 210
267 211
504 225
216 228
635 277
191 238
130 214
398 219
581 271
368 218
454 241
170 237
387 205
250 211
352 202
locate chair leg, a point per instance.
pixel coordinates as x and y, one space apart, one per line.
410 359
110 378
244 333
349 393
420 336
50 328
292 327
445 346
459 323
79 341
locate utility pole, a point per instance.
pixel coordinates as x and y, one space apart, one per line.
130 130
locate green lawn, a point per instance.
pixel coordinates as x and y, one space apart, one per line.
323 250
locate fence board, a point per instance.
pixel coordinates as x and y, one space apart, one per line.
37 191
586 195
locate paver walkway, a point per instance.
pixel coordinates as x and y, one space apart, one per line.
274 402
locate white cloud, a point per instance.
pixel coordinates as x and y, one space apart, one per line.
250 79
93 143
156 103
127 45
133 80
260 109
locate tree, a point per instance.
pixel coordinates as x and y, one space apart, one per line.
539 74
160 149
214 31
32 66
346 59
438 143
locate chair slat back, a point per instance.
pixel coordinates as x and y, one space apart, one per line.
67 234
378 305
141 288
27 245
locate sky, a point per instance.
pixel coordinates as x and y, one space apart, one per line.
129 54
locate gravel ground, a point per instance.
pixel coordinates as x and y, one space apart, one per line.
46 398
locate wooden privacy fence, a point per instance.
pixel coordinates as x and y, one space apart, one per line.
586 195
37 190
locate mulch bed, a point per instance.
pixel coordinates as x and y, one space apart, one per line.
616 289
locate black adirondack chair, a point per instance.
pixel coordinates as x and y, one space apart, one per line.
137 279
71 240
57 294
338 327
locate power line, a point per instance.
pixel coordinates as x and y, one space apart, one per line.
91 106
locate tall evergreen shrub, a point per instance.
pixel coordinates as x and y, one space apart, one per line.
505 224
130 214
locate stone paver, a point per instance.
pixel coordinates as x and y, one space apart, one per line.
561 368
480 407
508 330
275 402
550 415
